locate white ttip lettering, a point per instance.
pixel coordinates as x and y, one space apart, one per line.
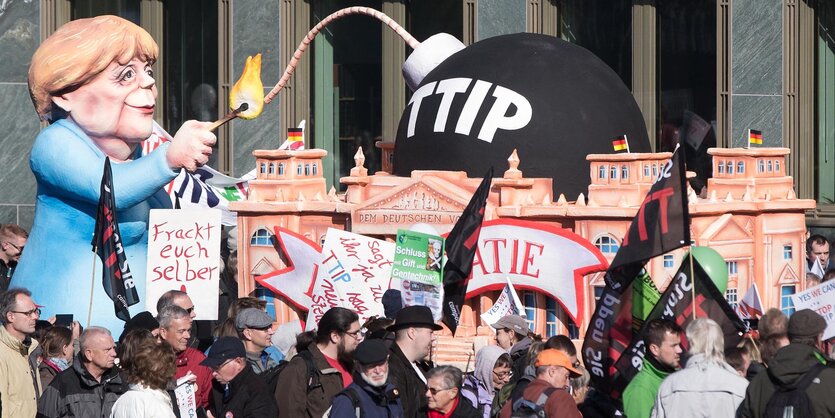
497 116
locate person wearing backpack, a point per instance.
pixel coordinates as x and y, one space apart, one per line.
707 385
798 382
370 395
492 372
302 392
546 396
236 390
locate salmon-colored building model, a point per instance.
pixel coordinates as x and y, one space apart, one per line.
750 215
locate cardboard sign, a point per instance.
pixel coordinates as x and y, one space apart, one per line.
186 396
820 299
418 267
184 254
354 272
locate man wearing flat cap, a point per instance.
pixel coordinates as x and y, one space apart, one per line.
255 329
370 395
549 391
236 390
799 362
413 337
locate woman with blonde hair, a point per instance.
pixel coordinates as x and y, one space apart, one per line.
149 369
92 81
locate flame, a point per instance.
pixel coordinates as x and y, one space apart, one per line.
249 89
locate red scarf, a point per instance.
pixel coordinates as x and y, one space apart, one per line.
438 414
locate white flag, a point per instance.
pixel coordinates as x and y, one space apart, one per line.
507 303
751 306
817 268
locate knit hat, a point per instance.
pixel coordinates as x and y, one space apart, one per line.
392 303
805 323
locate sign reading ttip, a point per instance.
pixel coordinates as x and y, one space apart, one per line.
535 256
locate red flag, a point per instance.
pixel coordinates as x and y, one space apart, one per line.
116 276
460 250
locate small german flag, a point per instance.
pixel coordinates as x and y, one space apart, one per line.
620 144
295 137
755 137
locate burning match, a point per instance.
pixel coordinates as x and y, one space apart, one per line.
247 95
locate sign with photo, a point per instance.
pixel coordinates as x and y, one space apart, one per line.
418 266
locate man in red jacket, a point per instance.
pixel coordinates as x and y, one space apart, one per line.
175 327
548 392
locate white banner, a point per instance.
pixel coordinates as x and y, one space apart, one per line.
535 256
186 397
507 303
184 254
354 272
820 299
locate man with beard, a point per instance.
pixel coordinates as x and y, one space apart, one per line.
662 339
370 395
308 384
414 333
12 240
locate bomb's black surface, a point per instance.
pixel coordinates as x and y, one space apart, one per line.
553 101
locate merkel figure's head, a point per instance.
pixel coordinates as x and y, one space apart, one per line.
97 73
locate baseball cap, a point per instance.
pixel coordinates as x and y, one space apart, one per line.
223 349
554 357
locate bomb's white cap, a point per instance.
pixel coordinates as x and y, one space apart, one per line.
431 52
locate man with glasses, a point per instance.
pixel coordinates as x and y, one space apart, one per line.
175 327
91 386
255 329
19 379
370 395
308 384
236 391
548 393
12 240
413 337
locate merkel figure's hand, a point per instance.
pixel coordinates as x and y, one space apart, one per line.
192 146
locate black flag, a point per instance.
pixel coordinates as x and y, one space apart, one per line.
461 245
676 304
116 277
661 225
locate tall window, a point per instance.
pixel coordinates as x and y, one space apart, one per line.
787 252
280 169
669 261
614 172
299 168
733 268
730 167
272 168
731 297
263 168
761 166
550 316
529 299
646 170
601 172
720 167
261 237
786 304
740 167
607 244
624 172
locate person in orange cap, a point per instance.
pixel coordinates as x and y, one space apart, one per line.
548 393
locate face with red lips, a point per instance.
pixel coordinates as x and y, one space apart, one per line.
117 104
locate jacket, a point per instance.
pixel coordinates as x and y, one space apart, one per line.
143 402
19 381
292 396
189 361
702 388
75 393
411 386
639 395
465 409
519 355
788 365
47 371
559 405
478 387
247 397
374 402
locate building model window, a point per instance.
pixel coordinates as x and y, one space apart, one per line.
769 166
550 316
721 167
601 173
624 172
787 252
272 168
646 170
529 300
740 167
731 297
733 268
761 166
776 166
280 169
261 237
315 168
299 169
786 304
614 172
730 167
307 169
263 168
607 244
669 261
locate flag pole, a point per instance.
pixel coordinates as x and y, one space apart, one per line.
92 287
627 144
692 281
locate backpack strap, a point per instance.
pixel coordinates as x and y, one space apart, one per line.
355 400
312 371
809 377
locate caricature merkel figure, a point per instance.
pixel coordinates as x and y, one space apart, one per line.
92 80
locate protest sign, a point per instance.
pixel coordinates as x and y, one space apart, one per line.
186 396
354 272
820 299
507 303
418 267
184 254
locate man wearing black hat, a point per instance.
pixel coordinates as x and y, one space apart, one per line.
370 395
800 363
236 390
413 328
